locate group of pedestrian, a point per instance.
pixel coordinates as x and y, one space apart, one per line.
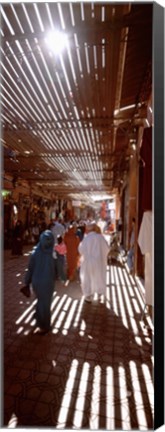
65 252
90 253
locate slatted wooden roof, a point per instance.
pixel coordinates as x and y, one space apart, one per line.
67 118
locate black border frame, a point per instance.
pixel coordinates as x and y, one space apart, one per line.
158 186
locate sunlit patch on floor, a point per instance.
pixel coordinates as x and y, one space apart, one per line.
20 330
65 403
13 421
26 312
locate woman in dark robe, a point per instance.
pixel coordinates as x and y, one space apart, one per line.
41 274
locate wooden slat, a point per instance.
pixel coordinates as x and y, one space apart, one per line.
60 146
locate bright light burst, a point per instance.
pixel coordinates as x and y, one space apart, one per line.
56 41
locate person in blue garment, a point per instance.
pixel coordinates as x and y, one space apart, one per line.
41 274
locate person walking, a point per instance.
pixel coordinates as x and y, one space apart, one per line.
58 229
93 262
17 238
35 232
41 275
80 230
72 241
61 250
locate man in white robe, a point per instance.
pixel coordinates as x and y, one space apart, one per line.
145 243
93 263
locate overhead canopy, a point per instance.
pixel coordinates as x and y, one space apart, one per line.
69 118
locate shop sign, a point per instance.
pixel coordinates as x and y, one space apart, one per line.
76 203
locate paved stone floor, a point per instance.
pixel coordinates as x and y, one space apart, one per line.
93 371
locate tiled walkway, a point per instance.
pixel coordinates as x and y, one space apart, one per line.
94 371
